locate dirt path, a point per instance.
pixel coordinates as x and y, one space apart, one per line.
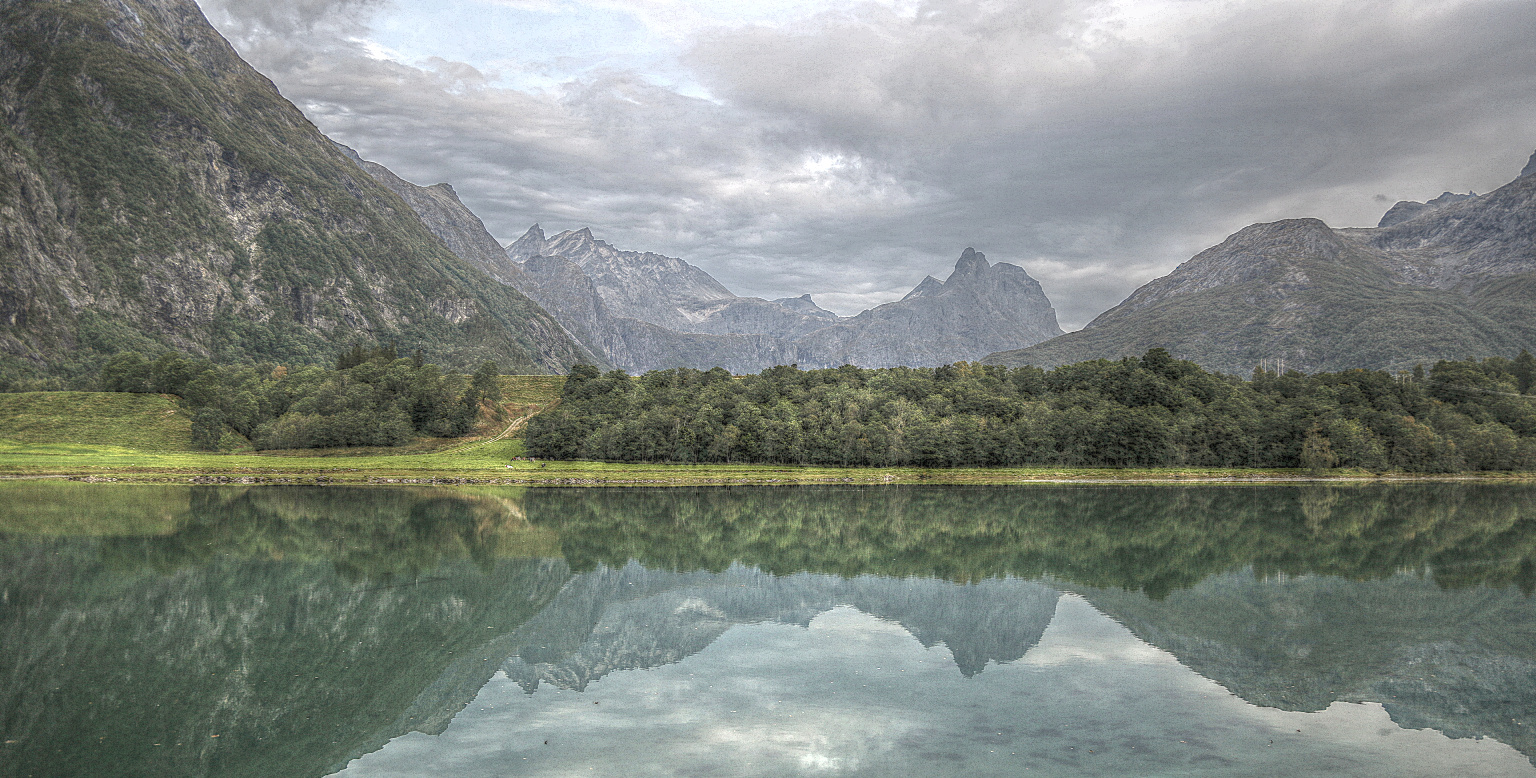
515 425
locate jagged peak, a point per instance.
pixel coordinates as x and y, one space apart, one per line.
972 264
1405 210
1530 167
1447 198
531 244
972 258
929 287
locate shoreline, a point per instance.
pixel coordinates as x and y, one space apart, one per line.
603 474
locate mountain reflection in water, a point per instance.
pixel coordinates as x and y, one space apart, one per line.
290 631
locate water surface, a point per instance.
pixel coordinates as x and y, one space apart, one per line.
1075 630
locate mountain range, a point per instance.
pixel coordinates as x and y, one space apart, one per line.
1453 278
643 311
157 193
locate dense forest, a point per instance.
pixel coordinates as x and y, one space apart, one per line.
1155 411
372 397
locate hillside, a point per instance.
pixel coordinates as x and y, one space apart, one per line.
145 422
157 192
1451 279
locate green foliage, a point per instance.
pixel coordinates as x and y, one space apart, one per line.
1155 411
372 399
1316 452
1524 370
207 428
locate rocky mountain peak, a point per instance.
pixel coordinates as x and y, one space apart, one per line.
1438 280
972 263
805 305
1411 209
531 244
581 238
929 287
1530 167
1311 237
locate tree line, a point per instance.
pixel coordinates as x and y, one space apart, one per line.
1152 411
1106 536
371 397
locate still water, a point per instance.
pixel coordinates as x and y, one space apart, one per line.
926 631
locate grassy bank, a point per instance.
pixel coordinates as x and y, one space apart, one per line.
127 437
489 464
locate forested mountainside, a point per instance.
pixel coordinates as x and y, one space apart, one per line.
1454 278
156 193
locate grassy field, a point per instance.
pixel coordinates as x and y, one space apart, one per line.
517 390
136 437
145 422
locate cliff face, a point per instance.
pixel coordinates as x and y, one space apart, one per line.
1450 279
155 191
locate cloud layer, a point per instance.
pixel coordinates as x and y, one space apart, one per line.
848 149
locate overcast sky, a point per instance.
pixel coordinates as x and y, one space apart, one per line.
847 149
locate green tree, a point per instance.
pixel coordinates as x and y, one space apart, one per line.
1317 452
207 428
1524 369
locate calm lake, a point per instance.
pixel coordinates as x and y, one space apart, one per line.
1083 630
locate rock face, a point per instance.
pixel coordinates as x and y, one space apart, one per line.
155 191
633 284
646 311
1454 278
1408 209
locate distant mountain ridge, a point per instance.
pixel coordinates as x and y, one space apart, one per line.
1454 278
644 311
157 192
962 318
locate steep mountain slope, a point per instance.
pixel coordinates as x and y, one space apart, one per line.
441 211
1450 279
637 285
155 191
965 317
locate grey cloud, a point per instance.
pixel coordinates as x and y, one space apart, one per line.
854 153
248 18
